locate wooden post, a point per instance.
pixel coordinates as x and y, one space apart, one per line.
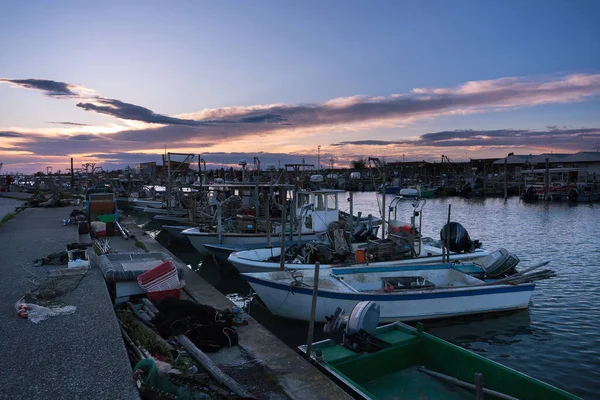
478 386
212 368
283 226
313 310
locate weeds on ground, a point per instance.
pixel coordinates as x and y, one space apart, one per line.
140 245
7 218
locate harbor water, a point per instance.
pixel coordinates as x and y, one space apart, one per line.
557 339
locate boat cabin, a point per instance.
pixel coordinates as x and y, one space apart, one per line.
317 209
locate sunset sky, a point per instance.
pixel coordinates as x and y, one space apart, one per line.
114 82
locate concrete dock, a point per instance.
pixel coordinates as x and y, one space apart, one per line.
261 362
82 355
75 356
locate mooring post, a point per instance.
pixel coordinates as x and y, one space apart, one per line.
313 310
478 386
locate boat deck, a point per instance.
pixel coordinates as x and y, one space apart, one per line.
410 383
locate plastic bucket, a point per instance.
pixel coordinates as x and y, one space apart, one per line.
360 256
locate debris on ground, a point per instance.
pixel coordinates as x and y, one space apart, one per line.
42 302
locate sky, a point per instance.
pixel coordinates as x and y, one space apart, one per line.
116 83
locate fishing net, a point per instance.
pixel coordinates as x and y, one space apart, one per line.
41 303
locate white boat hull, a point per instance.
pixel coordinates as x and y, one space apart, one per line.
249 261
295 302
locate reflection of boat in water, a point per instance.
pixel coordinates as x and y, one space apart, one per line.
498 329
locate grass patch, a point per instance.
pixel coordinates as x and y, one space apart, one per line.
140 245
7 218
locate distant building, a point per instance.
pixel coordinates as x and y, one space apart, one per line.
147 170
582 165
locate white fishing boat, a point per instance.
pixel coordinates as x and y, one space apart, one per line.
314 211
418 292
265 259
404 246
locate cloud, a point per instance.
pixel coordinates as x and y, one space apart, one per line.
10 134
570 139
66 123
238 127
122 110
49 87
357 111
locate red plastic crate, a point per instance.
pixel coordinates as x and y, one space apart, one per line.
160 278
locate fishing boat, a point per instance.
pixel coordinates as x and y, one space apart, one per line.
405 293
403 246
266 259
315 211
397 361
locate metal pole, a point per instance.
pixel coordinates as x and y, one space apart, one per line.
313 310
448 235
168 181
351 222
283 226
383 205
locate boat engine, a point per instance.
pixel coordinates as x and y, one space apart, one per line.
500 263
459 240
355 330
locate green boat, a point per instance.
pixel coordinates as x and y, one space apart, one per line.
411 364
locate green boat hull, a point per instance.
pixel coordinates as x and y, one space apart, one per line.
395 372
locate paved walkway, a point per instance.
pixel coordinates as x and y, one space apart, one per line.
16 195
67 357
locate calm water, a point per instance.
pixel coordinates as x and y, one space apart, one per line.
556 340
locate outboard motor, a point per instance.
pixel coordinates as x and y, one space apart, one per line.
363 232
355 330
459 240
500 263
